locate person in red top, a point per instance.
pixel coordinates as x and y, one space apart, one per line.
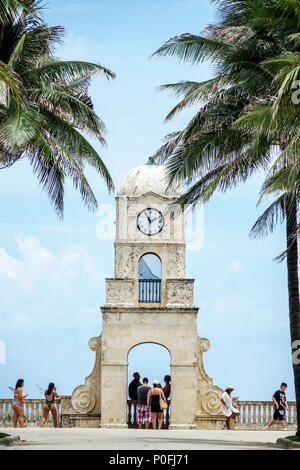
280 405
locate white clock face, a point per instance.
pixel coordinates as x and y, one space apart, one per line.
150 221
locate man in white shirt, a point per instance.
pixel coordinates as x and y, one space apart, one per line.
229 410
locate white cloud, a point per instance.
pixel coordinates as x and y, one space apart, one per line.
235 266
240 315
41 287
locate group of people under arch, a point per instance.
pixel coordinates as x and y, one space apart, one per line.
151 401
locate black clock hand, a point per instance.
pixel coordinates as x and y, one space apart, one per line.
153 220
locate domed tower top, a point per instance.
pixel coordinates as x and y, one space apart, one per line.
149 178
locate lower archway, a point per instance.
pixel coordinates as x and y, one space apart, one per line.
151 361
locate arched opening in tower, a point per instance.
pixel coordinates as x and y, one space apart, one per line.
150 278
151 361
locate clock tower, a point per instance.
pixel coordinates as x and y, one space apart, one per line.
146 307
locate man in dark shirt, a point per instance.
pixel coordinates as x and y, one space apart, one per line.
143 411
280 405
134 384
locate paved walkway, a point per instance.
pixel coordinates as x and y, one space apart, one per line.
133 439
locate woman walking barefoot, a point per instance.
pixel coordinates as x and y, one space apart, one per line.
155 394
50 395
18 403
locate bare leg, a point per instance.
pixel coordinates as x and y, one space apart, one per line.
15 416
228 422
54 415
21 415
140 425
147 425
160 420
283 423
154 419
271 422
45 415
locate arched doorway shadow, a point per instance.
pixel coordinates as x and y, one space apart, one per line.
153 361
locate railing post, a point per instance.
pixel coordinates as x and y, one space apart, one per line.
265 413
254 414
134 412
1 413
129 403
270 406
6 415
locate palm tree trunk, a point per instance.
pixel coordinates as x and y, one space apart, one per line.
293 289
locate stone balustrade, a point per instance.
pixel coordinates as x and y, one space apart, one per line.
33 412
254 414
131 415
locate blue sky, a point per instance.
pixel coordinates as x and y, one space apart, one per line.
52 272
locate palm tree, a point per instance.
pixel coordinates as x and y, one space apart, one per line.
239 126
45 108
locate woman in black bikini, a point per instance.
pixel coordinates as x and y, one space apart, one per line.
155 394
50 395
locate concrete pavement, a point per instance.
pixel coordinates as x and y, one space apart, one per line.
133 439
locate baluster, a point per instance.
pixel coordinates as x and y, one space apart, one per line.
1 413
239 418
32 412
37 412
129 403
168 415
247 413
134 412
254 418
265 413
244 413
27 411
58 412
6 418
259 413
40 411
241 408
270 405
294 417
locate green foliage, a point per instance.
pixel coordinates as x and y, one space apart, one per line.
245 112
293 438
45 108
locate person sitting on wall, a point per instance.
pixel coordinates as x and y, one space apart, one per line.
229 410
133 386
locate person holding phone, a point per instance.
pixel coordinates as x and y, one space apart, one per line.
50 395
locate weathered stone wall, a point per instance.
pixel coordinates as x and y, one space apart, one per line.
125 328
180 292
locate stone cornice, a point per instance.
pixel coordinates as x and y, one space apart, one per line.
148 242
161 310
